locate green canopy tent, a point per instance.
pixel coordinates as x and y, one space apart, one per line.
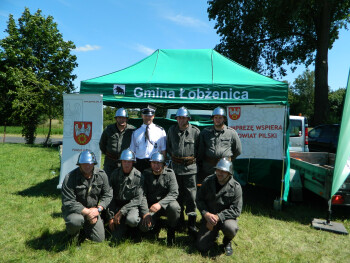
196 77
201 79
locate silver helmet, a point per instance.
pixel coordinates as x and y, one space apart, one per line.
183 112
157 157
87 157
127 155
121 113
224 165
218 111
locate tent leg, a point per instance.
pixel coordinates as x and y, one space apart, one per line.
277 204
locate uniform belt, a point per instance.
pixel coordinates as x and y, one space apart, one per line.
184 160
114 157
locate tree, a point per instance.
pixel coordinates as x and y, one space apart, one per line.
303 90
336 105
37 68
263 35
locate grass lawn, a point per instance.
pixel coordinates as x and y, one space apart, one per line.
32 229
41 130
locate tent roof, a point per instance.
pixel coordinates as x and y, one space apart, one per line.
203 69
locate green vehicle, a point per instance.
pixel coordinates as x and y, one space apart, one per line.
314 171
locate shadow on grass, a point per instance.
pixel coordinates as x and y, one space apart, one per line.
259 201
56 242
47 188
182 240
57 215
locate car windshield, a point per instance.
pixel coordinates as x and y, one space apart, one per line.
295 128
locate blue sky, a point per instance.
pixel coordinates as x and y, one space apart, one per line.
113 34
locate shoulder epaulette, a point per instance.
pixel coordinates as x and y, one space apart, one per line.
195 127
159 127
168 169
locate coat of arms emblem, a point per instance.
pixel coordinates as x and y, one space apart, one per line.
82 132
234 113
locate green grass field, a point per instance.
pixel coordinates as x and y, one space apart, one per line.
32 229
42 129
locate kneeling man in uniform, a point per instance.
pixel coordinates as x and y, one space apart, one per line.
160 194
126 182
219 200
85 193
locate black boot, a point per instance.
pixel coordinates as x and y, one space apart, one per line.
170 236
181 226
227 246
192 229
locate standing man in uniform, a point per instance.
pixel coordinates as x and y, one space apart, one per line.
216 142
219 201
85 193
147 139
182 146
114 139
160 194
126 182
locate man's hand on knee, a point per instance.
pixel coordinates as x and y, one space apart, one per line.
211 219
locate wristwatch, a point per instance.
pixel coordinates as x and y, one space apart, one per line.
99 209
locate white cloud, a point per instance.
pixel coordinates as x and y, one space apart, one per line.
143 49
87 48
188 21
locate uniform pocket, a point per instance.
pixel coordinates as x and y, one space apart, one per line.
96 189
226 142
80 191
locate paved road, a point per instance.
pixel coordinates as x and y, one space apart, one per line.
38 140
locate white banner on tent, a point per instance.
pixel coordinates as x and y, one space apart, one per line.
82 129
260 128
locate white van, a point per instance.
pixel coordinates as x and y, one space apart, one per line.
298 134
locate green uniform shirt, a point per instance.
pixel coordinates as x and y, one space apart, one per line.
78 192
183 144
113 141
127 191
216 145
162 189
227 203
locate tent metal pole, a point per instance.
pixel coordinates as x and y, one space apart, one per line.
329 212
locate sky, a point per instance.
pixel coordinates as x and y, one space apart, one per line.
114 34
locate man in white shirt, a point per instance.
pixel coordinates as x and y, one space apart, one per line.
147 139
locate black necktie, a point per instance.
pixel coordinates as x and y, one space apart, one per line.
146 133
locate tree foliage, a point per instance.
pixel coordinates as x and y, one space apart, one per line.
336 105
36 67
301 97
264 35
